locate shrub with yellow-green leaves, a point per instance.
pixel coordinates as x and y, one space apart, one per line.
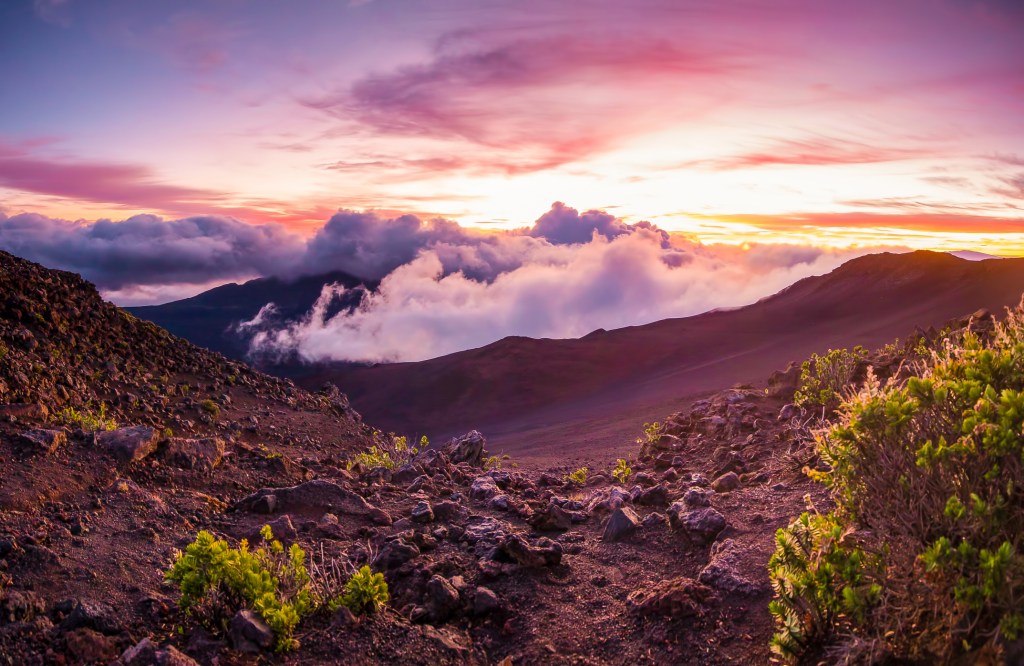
217 580
928 472
389 452
825 380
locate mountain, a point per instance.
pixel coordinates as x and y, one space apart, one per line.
971 255
209 319
540 397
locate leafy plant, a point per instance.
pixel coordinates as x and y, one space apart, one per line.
389 452
491 463
820 582
824 380
622 471
930 470
579 477
216 581
86 419
652 431
365 592
211 408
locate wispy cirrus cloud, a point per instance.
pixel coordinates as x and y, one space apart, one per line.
813 151
94 181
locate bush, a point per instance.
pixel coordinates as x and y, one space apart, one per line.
820 581
825 380
931 471
622 471
86 419
216 581
579 477
389 452
210 407
365 592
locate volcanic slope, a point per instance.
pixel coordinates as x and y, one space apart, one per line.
580 399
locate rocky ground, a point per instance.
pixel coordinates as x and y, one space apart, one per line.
485 566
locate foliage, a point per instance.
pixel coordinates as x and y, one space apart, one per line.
578 477
652 431
87 419
820 581
210 407
389 452
933 468
365 592
4 350
622 471
824 380
216 581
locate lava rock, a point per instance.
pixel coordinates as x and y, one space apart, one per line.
43 441
466 449
201 454
422 513
622 524
248 633
726 483
129 445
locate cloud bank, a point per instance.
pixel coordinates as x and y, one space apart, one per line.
443 287
424 309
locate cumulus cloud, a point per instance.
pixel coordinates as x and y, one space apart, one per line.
423 309
147 250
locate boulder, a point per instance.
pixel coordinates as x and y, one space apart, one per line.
316 495
654 496
249 633
723 571
43 441
621 524
394 554
545 553
676 598
129 445
727 482
442 599
552 519
422 513
147 653
483 488
485 601
466 449
202 454
702 524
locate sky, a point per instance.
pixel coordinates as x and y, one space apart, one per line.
206 141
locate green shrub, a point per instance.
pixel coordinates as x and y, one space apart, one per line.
389 452
824 380
579 477
622 471
216 581
86 419
365 592
821 582
931 471
211 408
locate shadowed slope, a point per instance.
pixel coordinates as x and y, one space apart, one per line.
552 397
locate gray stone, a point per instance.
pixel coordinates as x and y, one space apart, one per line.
622 524
483 488
726 483
201 454
485 601
248 633
422 513
468 449
442 599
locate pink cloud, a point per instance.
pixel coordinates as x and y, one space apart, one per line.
817 151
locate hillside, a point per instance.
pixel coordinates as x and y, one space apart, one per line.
486 561
544 398
210 319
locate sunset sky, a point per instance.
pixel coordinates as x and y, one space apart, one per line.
887 122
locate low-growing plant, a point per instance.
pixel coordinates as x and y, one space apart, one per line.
365 592
390 452
928 471
491 463
821 581
87 419
211 408
652 431
579 477
217 580
825 380
3 351
622 471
